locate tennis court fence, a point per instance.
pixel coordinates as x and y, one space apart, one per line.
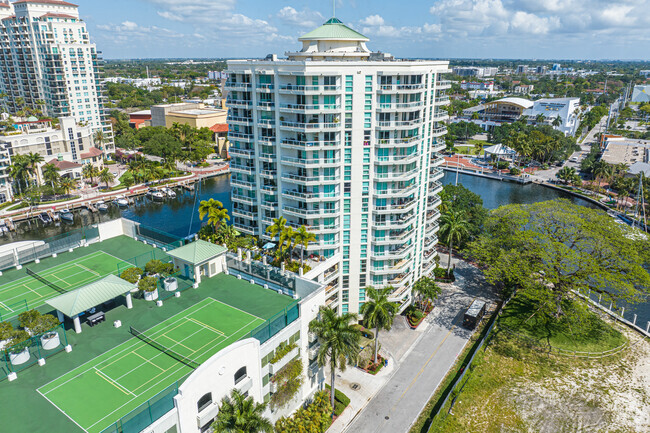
45 248
159 238
14 310
23 355
276 323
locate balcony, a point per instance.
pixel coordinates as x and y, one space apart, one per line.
438 132
309 180
269 189
277 366
442 100
237 86
244 214
397 223
398 142
302 108
395 106
242 168
267 157
443 84
265 105
435 187
396 208
243 183
310 162
432 215
433 202
311 213
311 145
440 115
244 198
310 127
293 89
402 88
269 174
396 237
313 369
248 229
239 103
437 161
303 195
397 175
265 123
401 253
399 124
397 159
235 151
264 87
240 136
432 227
397 192
400 266
436 173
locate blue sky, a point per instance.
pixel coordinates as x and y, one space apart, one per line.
544 29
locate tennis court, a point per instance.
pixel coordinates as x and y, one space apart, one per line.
67 276
99 392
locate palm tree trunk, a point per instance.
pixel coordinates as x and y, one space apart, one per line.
332 377
302 256
376 341
451 250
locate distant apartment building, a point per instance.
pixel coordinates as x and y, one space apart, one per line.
217 75
144 83
473 71
346 142
645 73
477 85
48 61
525 89
67 145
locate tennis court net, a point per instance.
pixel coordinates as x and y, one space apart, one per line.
178 357
45 281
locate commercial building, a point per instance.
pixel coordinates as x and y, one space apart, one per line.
140 119
159 112
197 117
621 150
66 144
343 141
645 73
48 61
641 93
477 85
567 109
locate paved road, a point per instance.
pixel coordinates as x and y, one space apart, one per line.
397 405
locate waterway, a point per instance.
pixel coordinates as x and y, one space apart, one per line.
179 216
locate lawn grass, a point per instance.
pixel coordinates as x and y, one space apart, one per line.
590 335
468 150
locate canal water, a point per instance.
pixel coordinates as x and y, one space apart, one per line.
179 216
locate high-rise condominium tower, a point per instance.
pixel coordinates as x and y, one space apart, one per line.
48 61
343 141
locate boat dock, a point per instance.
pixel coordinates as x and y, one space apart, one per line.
523 179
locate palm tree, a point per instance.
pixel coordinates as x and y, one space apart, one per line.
217 216
89 171
557 121
19 170
339 341
287 237
567 174
99 139
539 119
240 414
67 184
454 228
277 227
206 206
378 312
51 174
602 170
426 289
106 176
34 159
303 238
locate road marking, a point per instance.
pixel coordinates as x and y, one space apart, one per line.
423 367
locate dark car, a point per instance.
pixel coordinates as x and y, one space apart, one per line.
474 314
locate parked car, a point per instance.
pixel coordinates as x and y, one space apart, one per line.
474 314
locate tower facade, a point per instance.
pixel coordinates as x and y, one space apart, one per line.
48 61
344 141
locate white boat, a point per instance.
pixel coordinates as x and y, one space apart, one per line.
168 192
121 201
155 195
101 206
66 215
45 218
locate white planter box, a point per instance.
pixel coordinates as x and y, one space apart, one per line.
20 357
171 285
151 296
50 340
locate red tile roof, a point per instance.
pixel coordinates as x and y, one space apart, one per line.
64 165
93 151
47 2
53 15
10 17
4 5
219 127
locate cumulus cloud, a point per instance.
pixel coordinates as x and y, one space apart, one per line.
304 19
376 25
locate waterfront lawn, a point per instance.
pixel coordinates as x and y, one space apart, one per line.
587 334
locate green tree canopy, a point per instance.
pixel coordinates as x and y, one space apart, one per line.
458 198
549 249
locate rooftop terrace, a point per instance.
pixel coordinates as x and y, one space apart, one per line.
243 309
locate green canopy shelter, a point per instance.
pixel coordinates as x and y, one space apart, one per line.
75 302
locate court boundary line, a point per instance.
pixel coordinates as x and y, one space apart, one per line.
60 410
148 361
65 265
181 366
113 382
133 339
198 322
89 270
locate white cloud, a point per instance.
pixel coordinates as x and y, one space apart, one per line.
305 18
373 20
375 25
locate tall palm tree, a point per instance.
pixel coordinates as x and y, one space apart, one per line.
378 312
539 119
557 121
106 176
303 238
277 227
602 170
67 184
34 159
287 237
339 341
19 171
240 414
51 175
217 216
454 227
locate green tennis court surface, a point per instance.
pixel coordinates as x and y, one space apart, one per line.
68 276
108 387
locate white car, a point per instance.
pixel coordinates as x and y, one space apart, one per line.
574 159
